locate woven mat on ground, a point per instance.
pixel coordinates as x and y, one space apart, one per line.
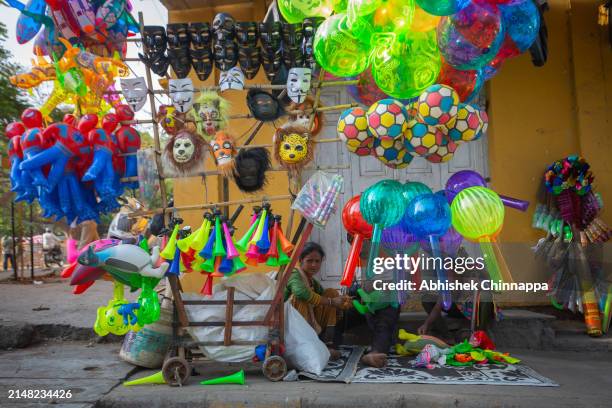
400 370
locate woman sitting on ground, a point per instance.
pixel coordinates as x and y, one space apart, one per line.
317 305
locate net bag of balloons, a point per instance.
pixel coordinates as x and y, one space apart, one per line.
317 199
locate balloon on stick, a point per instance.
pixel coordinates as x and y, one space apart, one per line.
382 205
429 216
469 178
358 227
478 215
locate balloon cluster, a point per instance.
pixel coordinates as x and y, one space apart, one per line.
125 264
400 47
101 27
402 217
431 127
211 249
72 167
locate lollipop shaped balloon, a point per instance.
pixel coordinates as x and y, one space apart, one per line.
337 50
478 215
358 227
429 216
468 178
382 205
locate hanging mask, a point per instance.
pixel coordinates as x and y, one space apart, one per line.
210 114
200 35
178 35
309 28
293 147
298 84
272 62
270 35
246 33
155 41
250 60
263 106
232 79
180 61
134 91
301 114
169 119
183 155
202 62
224 149
181 93
223 27
226 55
251 167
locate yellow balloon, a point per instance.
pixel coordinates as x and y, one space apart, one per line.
423 21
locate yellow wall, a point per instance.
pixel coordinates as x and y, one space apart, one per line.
537 115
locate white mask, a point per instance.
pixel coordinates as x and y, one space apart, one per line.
298 84
183 150
181 93
232 79
135 92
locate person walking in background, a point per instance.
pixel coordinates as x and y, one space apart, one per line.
8 253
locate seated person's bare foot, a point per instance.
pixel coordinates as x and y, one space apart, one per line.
377 360
334 354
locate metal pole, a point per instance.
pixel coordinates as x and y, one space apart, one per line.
13 238
32 243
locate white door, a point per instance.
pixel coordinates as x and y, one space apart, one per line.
365 171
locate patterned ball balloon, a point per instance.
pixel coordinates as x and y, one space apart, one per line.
352 128
444 152
438 105
337 51
387 119
423 139
471 38
392 152
484 118
467 125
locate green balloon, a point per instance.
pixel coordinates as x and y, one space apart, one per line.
478 213
412 189
337 50
295 11
405 67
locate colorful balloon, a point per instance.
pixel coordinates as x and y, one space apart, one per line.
442 7
423 139
392 152
438 105
471 38
467 83
466 126
423 21
366 92
295 11
429 216
337 50
355 225
381 205
352 128
406 66
478 215
387 119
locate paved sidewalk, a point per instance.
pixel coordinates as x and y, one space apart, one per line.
94 375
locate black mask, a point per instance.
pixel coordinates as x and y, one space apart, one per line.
250 60
292 35
223 28
251 168
263 106
178 35
270 35
271 63
180 61
155 42
226 55
202 62
309 28
200 35
246 34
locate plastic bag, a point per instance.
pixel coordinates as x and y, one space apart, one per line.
317 199
304 349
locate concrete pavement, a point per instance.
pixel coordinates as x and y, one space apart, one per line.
94 374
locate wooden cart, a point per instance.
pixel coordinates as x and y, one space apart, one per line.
182 356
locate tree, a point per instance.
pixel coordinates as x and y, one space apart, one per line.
12 101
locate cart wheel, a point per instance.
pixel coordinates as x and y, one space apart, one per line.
176 371
274 368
